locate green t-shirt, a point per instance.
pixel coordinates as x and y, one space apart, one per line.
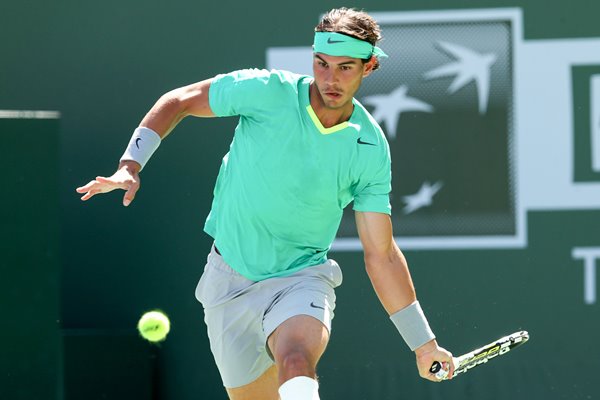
282 188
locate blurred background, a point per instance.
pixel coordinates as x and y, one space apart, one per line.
511 240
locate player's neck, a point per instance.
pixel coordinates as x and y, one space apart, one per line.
329 116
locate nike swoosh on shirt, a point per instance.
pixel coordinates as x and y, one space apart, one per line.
313 305
359 141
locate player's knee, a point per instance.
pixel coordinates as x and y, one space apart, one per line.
296 363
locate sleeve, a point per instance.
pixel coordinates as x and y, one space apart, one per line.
247 92
373 194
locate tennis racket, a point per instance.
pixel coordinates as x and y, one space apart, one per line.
482 355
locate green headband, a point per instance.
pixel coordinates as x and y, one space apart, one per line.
338 44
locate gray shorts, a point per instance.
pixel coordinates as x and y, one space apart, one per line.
241 314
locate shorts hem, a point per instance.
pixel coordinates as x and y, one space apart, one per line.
229 385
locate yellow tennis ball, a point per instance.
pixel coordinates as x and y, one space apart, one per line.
154 326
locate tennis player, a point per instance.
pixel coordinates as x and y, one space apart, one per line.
303 150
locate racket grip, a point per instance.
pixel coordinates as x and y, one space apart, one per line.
438 371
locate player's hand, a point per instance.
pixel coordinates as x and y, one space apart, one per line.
126 178
428 354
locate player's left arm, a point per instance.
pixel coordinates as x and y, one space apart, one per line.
389 274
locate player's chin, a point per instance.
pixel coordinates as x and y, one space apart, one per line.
335 103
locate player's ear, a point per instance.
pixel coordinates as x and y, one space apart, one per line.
368 66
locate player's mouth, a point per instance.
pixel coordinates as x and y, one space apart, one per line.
333 95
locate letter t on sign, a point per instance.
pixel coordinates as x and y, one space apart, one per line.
589 256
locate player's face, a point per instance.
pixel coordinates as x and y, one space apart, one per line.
339 78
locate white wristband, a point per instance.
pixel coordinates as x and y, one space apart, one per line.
413 326
142 145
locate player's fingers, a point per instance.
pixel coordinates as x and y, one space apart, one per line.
108 181
130 193
442 369
427 373
447 370
114 182
451 368
434 377
444 373
85 188
88 190
89 195
96 187
440 375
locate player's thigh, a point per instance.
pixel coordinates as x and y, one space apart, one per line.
299 333
301 317
265 387
233 312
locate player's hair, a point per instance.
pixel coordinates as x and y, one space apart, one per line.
351 22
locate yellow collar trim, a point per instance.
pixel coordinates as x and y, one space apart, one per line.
319 125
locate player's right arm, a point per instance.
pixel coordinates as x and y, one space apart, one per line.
162 118
177 104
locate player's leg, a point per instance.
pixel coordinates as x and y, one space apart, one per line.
297 345
298 325
266 387
233 312
241 315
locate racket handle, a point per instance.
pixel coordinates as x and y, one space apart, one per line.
438 371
